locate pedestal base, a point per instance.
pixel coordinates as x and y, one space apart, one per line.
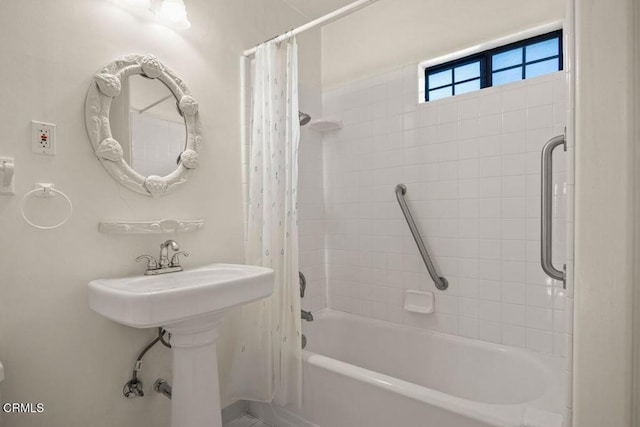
195 400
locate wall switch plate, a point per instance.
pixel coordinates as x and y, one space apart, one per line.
43 138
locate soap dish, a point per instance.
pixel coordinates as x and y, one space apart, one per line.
418 302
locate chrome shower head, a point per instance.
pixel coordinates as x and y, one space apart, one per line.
304 118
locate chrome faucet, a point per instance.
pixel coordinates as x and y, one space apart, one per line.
164 252
165 265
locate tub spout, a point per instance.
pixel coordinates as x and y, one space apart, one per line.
306 315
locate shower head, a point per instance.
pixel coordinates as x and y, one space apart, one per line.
304 118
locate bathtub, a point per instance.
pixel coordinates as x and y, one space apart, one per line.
363 372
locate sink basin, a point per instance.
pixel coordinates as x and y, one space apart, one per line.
151 301
190 305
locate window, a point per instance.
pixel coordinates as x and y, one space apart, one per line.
516 61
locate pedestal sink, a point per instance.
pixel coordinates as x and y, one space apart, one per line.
190 305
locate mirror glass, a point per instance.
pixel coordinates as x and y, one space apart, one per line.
146 121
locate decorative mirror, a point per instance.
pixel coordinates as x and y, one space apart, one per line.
143 124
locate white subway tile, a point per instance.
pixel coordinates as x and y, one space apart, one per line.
447 112
513 314
514 207
490 125
468 168
489 310
514 99
489 270
514 250
514 293
468 149
540 94
489 249
468 248
514 164
490 331
514 336
489 187
490 103
468 188
411 138
468 129
514 186
540 296
540 318
489 290
489 228
468 307
514 229
490 167
447 132
513 271
447 323
446 304
514 143
468 327
489 207
468 109
448 151
468 287
540 117
539 340
514 121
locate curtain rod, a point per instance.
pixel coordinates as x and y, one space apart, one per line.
343 11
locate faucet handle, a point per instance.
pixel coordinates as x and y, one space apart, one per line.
175 259
151 261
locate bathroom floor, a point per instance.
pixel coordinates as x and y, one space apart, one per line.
246 421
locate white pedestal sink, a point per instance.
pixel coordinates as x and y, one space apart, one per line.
190 305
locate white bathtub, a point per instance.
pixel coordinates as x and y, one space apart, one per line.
363 372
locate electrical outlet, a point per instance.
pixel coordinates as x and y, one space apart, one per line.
43 138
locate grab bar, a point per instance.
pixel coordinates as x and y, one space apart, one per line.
441 282
546 211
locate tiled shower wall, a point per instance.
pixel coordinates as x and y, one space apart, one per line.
471 165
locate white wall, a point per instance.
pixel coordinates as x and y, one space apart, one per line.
471 167
604 214
54 348
390 33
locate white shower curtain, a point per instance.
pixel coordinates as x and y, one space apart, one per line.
266 362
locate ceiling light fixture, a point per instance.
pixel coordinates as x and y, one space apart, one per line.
172 13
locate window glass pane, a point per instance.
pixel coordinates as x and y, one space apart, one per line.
466 72
507 59
440 93
467 86
543 67
542 50
507 76
440 79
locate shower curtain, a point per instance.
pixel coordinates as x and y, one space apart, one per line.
266 363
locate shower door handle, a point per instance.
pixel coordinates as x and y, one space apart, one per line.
547 211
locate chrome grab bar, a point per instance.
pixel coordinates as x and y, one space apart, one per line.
547 212
440 282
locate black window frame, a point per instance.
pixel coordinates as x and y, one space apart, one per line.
485 58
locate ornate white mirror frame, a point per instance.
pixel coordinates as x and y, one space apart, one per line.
105 86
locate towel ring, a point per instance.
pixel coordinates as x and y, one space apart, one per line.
47 190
